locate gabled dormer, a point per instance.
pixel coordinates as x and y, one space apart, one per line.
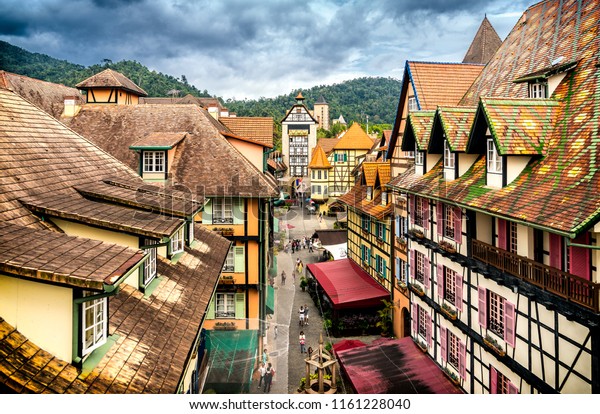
542 83
111 87
416 138
449 136
510 133
157 151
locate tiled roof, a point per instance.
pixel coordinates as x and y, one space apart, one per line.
255 128
485 43
355 138
48 256
319 158
456 124
357 199
143 196
418 127
109 78
328 144
103 215
374 170
166 140
441 84
370 173
154 334
520 126
47 158
45 95
204 161
240 138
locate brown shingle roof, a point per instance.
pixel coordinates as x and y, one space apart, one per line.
204 161
255 128
355 138
327 144
109 78
154 335
319 158
485 43
58 258
163 140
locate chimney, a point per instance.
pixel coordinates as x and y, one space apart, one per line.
71 106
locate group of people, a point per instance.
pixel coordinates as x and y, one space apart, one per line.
303 314
267 372
297 244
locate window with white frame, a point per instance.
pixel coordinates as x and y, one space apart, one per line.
365 254
420 267
449 156
229 265
325 174
496 313
319 174
512 236
380 230
379 265
225 306
384 198
419 204
178 240
150 263
419 156
365 222
412 104
222 210
449 285
453 350
538 90
154 161
448 221
494 160
369 193
423 321
94 322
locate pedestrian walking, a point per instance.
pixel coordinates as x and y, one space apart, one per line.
262 370
305 314
283 278
302 340
301 316
275 331
269 374
265 356
310 246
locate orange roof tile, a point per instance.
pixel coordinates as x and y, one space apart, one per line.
319 159
370 173
357 199
255 128
418 127
355 138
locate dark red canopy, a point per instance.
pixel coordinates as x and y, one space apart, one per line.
347 344
347 285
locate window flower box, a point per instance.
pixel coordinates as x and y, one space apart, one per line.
225 326
402 284
448 311
422 346
417 233
447 246
494 345
452 376
417 289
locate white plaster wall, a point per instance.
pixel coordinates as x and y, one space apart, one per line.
465 161
515 165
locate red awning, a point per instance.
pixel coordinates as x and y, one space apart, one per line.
347 285
412 372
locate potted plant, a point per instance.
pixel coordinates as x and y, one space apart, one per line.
422 345
491 343
447 246
303 283
417 233
448 311
384 318
450 374
417 289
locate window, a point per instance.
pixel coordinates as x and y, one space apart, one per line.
319 174
494 161
412 104
369 193
93 323
423 322
448 156
453 350
154 161
496 316
419 204
177 241
384 198
365 223
325 174
365 254
449 285
324 190
380 231
341 157
150 263
225 305
448 221
512 237
420 267
222 210
312 174
538 90
500 384
380 266
229 265
419 156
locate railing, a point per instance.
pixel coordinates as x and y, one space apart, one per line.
571 287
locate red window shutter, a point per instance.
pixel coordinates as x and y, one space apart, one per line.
425 206
502 233
457 225
427 272
413 264
413 208
512 388
429 330
556 251
493 380
439 213
440 280
462 360
415 319
458 295
443 344
509 323
482 295
580 257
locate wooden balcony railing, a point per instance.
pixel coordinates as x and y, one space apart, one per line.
571 287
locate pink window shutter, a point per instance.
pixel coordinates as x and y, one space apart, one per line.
427 273
509 323
413 208
443 344
580 257
458 295
462 359
425 206
429 330
439 218
512 388
440 280
415 319
482 296
502 233
457 225
493 380
413 264
556 251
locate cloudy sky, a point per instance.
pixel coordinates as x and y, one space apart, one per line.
252 48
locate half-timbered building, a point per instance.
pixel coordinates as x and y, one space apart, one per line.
298 138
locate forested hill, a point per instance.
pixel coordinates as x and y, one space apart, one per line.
354 99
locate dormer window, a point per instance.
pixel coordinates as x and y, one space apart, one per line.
412 104
494 160
177 241
418 156
384 198
150 263
538 90
369 193
154 161
94 323
449 159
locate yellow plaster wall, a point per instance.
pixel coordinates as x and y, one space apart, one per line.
153 176
252 253
253 216
81 230
401 302
41 312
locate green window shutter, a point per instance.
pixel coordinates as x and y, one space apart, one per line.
210 313
383 225
238 213
207 213
239 264
384 269
240 305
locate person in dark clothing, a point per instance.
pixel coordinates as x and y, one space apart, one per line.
269 377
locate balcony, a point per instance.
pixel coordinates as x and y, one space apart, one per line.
573 288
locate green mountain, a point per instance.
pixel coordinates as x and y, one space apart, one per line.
355 99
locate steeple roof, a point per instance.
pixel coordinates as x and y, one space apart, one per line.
319 158
484 44
321 101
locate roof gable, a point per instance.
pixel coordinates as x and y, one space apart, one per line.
453 123
418 130
259 129
319 159
355 138
485 43
109 78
